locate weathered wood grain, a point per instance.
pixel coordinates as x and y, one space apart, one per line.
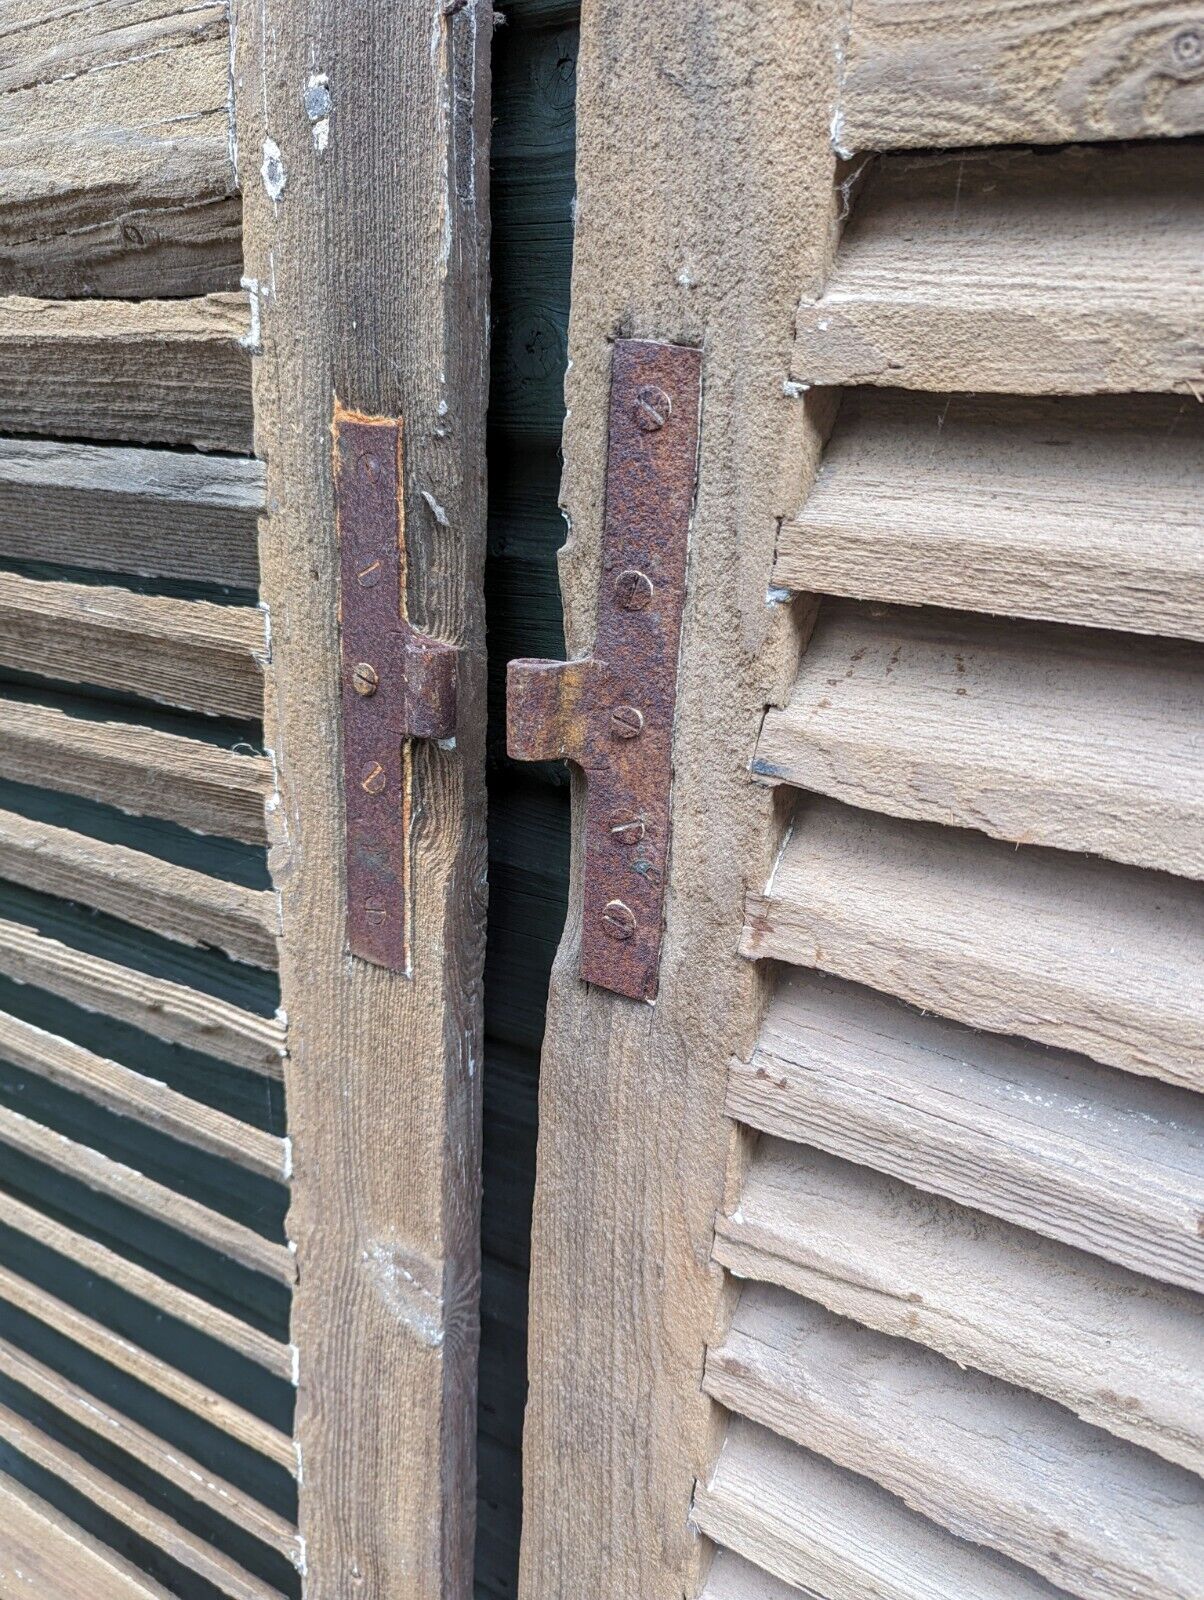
1074 952
130 1094
941 73
139 888
155 371
703 230
730 1578
134 1189
146 1369
1076 510
1035 734
171 1464
158 1006
1118 1350
39 1545
1073 272
202 786
163 1296
992 1464
818 1527
370 258
187 653
132 1511
160 513
117 178
1047 1140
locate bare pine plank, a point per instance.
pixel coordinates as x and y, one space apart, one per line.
158 513
139 888
202 786
39 1546
1082 510
942 73
989 1462
133 1512
815 1526
1116 1349
1082 954
159 1293
177 1468
130 1094
160 1007
149 1370
1044 1139
1035 734
134 1189
1072 272
188 653
158 371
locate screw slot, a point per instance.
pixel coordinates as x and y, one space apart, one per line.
626 829
626 722
633 589
365 679
652 408
618 920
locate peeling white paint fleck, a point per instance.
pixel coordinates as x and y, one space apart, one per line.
274 176
776 596
793 389
318 108
437 511
252 340
397 1275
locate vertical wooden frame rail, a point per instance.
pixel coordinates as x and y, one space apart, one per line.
705 199
362 134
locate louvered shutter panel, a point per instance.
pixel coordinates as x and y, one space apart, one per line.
867 1260
238 1167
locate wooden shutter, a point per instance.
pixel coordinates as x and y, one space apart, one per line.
866 1259
238 1165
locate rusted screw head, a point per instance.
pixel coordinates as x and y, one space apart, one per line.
652 408
371 468
376 912
1187 49
364 678
373 778
626 829
626 722
633 589
618 920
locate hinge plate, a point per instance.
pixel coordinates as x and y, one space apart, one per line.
398 684
613 713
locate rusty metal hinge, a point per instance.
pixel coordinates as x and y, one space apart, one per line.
398 684
613 713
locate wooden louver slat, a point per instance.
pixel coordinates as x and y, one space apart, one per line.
188 653
158 1006
1074 510
198 785
153 1199
730 1578
936 75
1033 734
1114 1348
1043 1139
155 371
160 513
821 1528
1021 272
168 899
39 1544
1102 1519
1083 954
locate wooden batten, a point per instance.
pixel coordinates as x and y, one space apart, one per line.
158 1006
1101 1519
164 1205
730 1578
818 1527
1082 954
1072 272
143 889
132 1511
1114 1348
1034 734
199 785
157 513
936 75
161 1295
187 653
1074 510
39 1545
156 371
1044 1139
129 1094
